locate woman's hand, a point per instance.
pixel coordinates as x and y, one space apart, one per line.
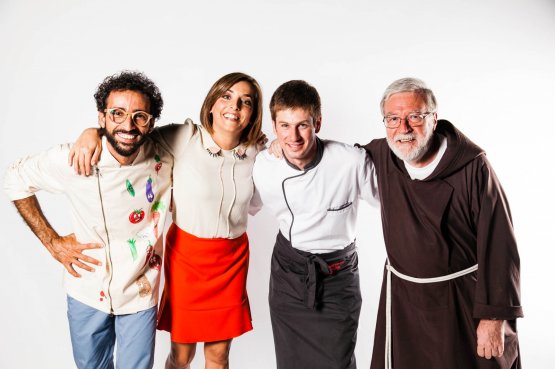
261 142
85 151
275 149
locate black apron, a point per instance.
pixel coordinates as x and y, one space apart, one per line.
315 306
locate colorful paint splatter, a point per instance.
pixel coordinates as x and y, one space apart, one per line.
102 296
130 188
137 216
149 252
155 262
133 248
144 286
157 207
149 192
158 165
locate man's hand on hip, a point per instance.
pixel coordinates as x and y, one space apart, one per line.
69 252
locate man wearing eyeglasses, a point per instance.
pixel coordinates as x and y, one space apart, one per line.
118 216
451 295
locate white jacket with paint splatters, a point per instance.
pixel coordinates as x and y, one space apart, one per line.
122 207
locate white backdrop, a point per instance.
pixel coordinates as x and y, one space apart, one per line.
490 63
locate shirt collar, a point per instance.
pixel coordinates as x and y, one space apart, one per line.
315 161
240 151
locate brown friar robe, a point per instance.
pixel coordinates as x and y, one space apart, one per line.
453 219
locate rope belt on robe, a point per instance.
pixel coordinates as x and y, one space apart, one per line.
390 269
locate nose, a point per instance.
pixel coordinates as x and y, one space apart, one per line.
236 104
128 123
295 134
405 127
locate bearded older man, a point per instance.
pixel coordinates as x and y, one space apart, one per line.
450 296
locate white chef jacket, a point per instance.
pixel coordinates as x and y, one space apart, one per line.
316 207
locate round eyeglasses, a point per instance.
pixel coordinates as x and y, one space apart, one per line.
118 115
413 119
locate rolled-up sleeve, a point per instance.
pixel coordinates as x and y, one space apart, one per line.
47 171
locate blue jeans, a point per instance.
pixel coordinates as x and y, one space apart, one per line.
95 333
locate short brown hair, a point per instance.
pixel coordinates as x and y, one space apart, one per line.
296 94
253 130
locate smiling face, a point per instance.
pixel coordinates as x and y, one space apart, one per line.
296 133
411 144
232 111
124 139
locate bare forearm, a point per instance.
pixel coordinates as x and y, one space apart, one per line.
66 249
31 212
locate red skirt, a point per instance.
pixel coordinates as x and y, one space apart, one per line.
205 295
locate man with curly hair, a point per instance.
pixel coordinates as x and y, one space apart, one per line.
113 258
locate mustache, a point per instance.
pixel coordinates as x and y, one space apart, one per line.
134 131
407 136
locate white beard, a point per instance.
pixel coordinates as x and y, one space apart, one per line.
422 147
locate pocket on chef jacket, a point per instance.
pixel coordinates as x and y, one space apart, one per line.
340 208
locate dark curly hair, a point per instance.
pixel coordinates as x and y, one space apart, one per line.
133 81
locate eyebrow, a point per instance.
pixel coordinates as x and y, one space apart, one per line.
293 123
134 111
230 90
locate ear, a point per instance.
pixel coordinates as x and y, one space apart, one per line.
274 127
435 121
101 119
317 124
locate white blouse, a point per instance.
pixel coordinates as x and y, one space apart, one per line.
212 187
